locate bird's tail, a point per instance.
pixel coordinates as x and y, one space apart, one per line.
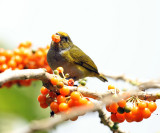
102 78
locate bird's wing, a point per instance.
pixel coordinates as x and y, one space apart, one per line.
79 57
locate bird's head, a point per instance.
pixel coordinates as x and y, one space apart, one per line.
64 43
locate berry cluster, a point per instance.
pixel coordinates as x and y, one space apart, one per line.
131 109
63 100
23 57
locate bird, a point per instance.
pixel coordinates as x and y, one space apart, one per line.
74 61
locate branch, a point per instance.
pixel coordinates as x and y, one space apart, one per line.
10 75
140 85
107 121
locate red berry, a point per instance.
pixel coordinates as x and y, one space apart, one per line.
70 82
44 105
42 99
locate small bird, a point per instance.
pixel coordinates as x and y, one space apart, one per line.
74 61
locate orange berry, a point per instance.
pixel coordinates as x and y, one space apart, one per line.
63 107
152 106
110 87
122 103
38 53
8 53
129 117
18 59
54 107
12 64
70 103
75 95
56 38
113 107
83 101
2 59
54 81
3 67
61 99
139 117
146 113
44 90
120 116
142 105
64 91
135 110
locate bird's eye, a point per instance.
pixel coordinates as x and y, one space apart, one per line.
57 34
66 38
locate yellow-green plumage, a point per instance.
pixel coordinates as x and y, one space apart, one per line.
72 59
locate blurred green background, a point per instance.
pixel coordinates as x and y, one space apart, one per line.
19 105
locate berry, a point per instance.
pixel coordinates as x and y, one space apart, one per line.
61 99
108 108
122 103
114 118
113 107
63 107
56 72
44 91
120 110
75 95
64 91
146 113
44 105
142 105
135 110
56 38
152 106
54 107
54 81
60 84
127 108
129 116
70 82
60 69
120 117
110 87
83 83
42 99
83 101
